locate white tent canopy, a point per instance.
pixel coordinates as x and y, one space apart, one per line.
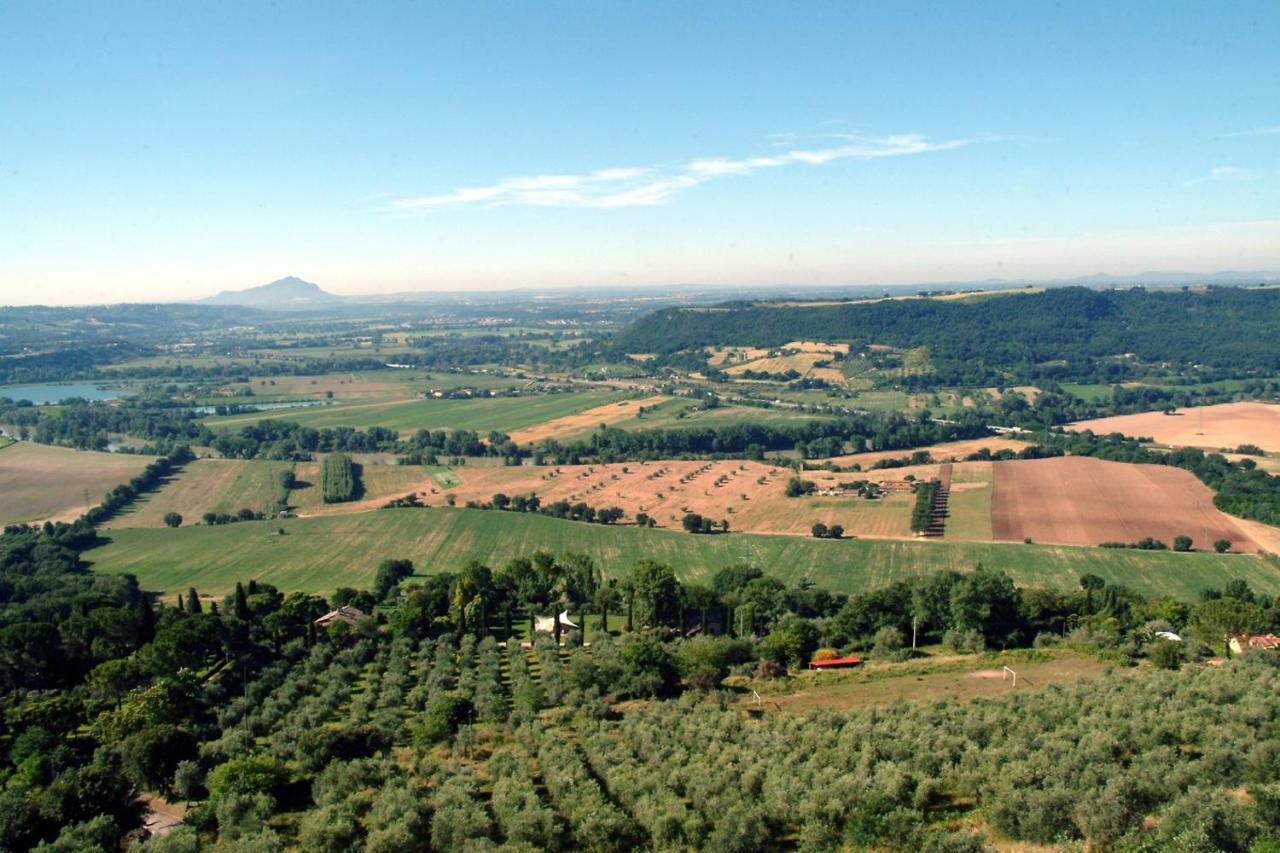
547 625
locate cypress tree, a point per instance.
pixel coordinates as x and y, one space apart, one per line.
193 601
242 603
181 608
146 618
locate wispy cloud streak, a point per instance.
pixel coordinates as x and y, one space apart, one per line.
653 185
1257 131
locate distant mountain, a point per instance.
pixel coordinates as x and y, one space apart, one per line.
290 293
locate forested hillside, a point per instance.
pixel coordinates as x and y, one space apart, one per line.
1057 334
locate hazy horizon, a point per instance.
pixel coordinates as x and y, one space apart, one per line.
166 153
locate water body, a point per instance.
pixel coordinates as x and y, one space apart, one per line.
46 393
250 408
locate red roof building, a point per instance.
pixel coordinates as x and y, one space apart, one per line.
835 663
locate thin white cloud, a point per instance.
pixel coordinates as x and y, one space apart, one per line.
1225 173
652 185
1257 131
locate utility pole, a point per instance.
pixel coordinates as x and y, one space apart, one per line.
913 632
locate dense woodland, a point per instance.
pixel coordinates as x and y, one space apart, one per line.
1062 334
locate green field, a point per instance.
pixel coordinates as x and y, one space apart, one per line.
319 554
969 510
407 415
209 485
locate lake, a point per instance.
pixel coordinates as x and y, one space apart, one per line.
54 392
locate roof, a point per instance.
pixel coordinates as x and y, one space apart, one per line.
350 615
845 661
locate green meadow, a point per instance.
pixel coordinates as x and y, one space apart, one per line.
319 554
407 415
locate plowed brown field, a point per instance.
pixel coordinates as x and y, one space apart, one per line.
1227 425
1083 501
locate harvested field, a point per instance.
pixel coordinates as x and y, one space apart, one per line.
749 494
801 363
569 425
1225 426
732 355
39 481
1078 500
954 451
208 485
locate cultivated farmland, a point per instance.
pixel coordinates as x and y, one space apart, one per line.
750 495
576 424
1084 501
40 481
320 554
209 485
1225 426
408 415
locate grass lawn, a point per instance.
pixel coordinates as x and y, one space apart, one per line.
319 554
411 414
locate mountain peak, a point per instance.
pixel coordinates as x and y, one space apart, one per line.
284 293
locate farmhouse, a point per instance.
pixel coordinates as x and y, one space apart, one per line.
350 615
1239 643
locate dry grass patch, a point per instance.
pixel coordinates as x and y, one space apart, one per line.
40 482
950 451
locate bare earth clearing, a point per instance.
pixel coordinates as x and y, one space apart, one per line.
1227 425
610 413
1077 500
39 481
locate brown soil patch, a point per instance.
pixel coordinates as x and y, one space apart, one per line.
1083 501
1227 425
610 413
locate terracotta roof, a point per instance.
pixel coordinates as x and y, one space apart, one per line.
350 615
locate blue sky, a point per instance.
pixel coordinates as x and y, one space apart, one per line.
166 150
